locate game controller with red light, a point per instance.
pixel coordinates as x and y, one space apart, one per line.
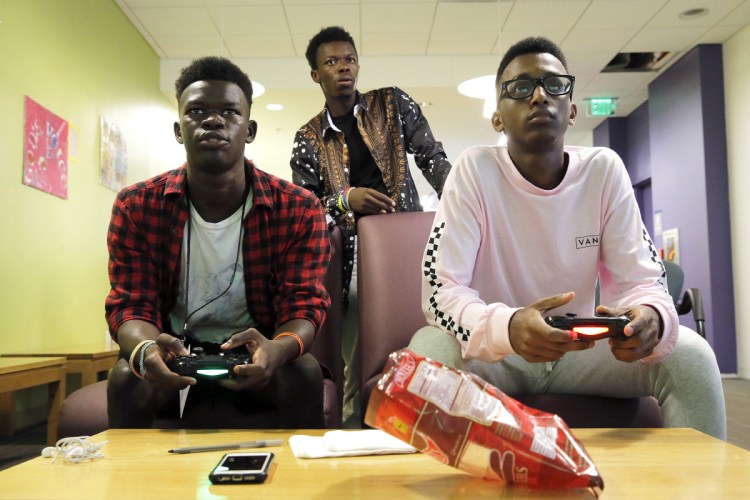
593 328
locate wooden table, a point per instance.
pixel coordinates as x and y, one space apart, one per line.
23 373
635 463
88 360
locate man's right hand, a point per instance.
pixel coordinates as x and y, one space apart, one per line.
537 342
369 201
155 359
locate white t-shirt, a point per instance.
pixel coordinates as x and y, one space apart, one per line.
500 243
213 256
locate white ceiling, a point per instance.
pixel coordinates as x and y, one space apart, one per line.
426 47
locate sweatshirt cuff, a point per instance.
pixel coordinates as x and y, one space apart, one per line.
668 339
498 338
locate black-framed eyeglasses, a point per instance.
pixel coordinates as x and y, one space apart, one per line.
521 88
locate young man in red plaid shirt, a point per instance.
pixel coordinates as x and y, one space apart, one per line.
220 255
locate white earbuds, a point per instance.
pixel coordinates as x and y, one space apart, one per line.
74 450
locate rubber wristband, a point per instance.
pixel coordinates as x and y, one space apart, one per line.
299 341
142 368
133 354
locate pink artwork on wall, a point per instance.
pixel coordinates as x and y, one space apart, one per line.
45 148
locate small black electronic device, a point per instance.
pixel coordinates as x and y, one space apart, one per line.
208 365
592 328
242 468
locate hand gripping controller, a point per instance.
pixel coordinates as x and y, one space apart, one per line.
594 328
207 365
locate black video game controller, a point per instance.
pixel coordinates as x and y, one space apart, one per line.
593 328
208 365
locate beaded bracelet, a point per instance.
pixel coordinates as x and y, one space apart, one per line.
299 341
142 368
132 357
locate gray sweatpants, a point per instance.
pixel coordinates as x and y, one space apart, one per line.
687 384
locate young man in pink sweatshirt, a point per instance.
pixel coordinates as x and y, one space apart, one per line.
524 231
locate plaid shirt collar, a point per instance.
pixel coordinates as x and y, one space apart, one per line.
177 181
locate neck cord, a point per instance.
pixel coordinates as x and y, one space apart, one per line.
187 271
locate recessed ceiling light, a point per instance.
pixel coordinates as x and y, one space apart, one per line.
478 87
693 13
481 87
274 107
258 89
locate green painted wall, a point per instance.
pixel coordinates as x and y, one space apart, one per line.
80 59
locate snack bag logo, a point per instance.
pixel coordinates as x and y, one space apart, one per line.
504 465
591 240
430 447
404 372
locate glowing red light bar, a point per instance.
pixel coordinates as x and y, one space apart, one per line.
590 330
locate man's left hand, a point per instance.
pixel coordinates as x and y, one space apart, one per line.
266 358
643 332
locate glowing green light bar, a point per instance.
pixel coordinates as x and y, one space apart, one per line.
213 372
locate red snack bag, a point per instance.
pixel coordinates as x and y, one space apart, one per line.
462 421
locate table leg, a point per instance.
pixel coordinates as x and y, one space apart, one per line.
56 395
88 376
7 414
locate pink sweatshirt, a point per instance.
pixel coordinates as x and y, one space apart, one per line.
500 243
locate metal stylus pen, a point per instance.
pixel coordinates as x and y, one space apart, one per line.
261 443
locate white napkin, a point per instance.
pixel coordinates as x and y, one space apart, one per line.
347 444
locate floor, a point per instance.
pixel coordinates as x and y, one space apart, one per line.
28 443
737 396
25 444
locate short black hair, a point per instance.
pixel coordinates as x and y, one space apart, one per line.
531 45
213 68
326 35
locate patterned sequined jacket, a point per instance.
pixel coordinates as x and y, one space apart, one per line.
392 125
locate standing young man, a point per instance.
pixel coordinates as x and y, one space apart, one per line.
220 255
353 157
525 231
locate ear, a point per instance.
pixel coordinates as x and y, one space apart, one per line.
178 133
497 122
315 76
573 113
252 129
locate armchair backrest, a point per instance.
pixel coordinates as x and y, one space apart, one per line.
692 300
675 280
389 287
327 346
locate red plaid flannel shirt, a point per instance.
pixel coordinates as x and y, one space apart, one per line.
285 248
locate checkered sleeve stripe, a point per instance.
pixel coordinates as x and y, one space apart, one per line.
430 272
655 257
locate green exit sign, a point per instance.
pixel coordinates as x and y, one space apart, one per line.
601 106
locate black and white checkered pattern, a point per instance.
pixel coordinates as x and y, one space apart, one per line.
655 257
444 320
